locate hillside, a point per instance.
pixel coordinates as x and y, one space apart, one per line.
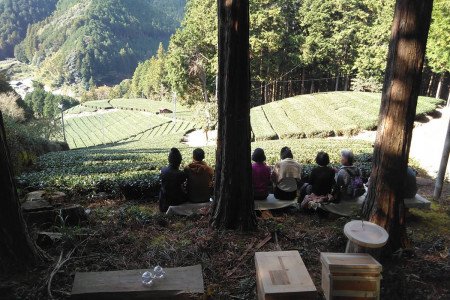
323 115
99 39
15 16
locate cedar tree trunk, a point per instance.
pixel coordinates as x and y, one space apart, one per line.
384 205
233 202
17 250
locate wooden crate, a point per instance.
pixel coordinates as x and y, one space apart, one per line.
127 284
282 275
350 276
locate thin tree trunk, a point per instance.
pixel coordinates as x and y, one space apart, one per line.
442 168
17 250
302 90
441 81
430 84
347 82
233 205
312 87
384 204
336 88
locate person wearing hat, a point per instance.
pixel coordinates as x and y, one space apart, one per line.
261 175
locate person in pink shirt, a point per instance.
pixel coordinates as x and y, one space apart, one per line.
261 175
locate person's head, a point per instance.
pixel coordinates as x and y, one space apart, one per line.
347 157
286 153
258 155
174 158
198 154
322 159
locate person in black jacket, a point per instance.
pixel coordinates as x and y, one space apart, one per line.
172 182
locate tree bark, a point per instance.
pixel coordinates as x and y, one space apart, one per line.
233 206
430 84
439 88
302 89
347 82
337 82
384 205
17 250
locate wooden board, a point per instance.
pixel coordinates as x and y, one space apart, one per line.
127 284
283 275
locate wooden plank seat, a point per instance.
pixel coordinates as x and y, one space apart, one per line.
283 275
127 284
187 209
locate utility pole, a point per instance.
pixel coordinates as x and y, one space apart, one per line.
174 99
62 121
442 167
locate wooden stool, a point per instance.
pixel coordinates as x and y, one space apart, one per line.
365 237
283 275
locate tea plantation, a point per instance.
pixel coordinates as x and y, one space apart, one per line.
140 141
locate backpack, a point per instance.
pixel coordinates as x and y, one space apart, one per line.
356 186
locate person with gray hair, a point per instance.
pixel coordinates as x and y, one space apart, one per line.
348 177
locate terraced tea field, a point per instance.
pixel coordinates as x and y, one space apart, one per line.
323 115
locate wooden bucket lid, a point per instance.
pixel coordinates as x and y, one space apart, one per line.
366 234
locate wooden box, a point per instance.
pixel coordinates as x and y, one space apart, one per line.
283 275
350 276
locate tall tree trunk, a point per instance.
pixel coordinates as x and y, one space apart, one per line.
312 87
441 81
233 205
336 88
347 82
384 204
302 90
430 84
17 250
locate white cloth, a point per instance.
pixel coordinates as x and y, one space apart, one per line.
272 203
187 209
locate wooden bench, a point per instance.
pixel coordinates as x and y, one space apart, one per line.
417 202
127 284
283 275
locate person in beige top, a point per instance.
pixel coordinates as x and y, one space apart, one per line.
199 178
286 175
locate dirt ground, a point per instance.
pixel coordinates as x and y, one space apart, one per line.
123 234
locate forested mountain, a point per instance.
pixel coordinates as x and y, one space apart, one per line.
15 16
296 47
98 41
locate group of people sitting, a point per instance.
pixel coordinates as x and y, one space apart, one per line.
325 184
193 184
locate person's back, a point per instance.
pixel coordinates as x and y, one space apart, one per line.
286 176
199 178
172 180
260 174
410 185
321 178
345 175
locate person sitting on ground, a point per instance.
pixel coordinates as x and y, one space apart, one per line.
172 180
261 175
199 178
349 177
321 181
286 176
410 184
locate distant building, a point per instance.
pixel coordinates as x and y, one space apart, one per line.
164 111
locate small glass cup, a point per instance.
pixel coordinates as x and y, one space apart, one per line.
158 272
147 278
